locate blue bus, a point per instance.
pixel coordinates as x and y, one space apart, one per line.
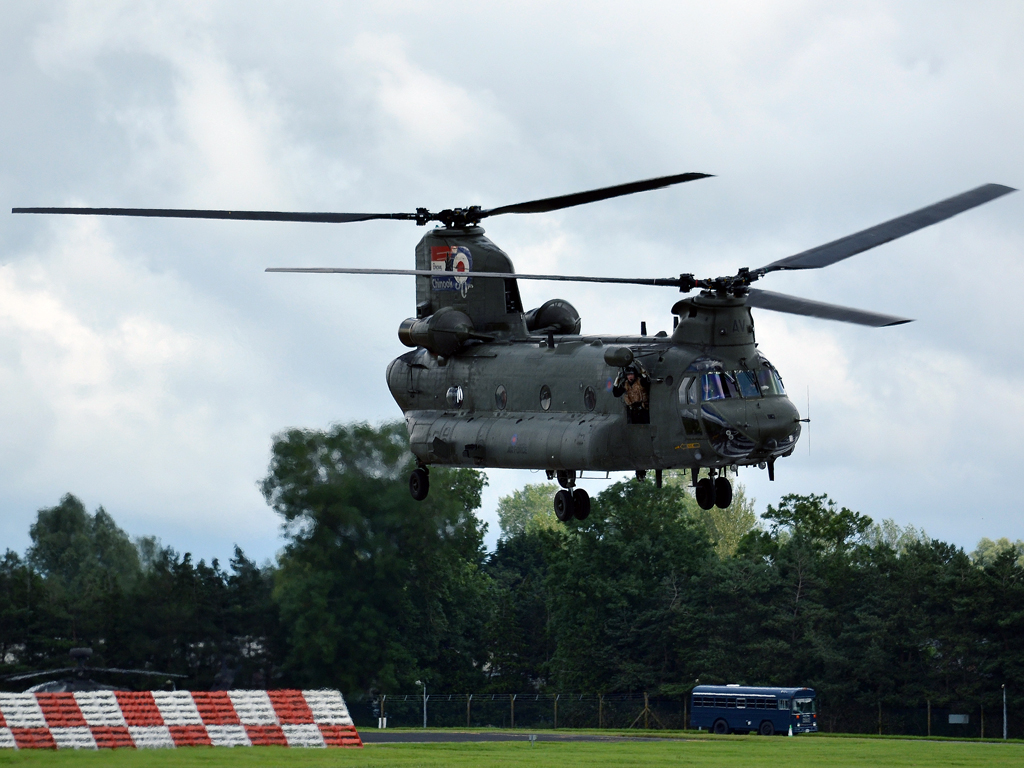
746 709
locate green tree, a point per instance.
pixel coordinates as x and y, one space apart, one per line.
527 509
376 590
988 551
726 527
626 609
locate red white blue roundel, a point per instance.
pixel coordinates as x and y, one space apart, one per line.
450 262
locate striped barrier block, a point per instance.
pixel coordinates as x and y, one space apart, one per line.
168 719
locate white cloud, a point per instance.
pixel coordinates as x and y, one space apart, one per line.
145 364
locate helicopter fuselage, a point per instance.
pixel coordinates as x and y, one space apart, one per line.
547 402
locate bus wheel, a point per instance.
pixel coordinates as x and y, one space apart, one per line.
766 729
720 726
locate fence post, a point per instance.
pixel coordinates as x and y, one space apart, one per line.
929 718
983 721
879 717
556 709
647 710
686 717
512 704
1004 711
600 710
469 698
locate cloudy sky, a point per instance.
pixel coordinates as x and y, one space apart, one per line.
145 365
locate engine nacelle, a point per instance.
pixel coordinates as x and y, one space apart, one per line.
555 316
442 332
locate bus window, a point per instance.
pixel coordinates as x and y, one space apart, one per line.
720 701
783 703
741 703
805 706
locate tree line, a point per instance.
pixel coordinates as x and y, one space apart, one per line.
373 591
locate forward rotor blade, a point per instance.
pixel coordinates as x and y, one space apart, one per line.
593 195
794 305
30 675
848 246
672 282
183 213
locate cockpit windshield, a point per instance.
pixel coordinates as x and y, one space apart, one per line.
722 385
763 381
769 381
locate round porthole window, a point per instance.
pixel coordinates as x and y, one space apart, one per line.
500 397
454 397
545 397
589 398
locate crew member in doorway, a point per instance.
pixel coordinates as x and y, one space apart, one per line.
633 385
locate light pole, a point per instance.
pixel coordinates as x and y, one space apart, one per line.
419 682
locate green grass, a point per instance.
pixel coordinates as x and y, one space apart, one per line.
720 752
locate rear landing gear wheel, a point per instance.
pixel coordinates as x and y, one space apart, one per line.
723 492
580 504
705 493
563 506
419 484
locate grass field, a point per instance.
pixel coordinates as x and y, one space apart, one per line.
723 752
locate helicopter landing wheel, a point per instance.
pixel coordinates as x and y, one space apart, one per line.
563 506
580 504
705 493
723 492
419 484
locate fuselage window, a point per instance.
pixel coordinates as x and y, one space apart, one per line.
589 398
545 397
501 397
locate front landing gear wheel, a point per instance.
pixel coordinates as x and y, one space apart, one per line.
723 492
580 504
563 506
419 484
705 493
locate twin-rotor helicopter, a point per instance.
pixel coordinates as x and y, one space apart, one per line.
489 384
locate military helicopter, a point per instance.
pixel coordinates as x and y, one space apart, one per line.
77 681
488 384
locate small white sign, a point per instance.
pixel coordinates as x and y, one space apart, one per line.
959 719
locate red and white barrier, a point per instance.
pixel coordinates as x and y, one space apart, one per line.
154 719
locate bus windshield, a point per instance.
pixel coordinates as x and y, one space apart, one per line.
805 706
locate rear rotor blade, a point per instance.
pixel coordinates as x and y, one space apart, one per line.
182 213
672 282
848 246
593 195
794 305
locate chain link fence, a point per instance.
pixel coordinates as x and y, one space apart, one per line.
640 710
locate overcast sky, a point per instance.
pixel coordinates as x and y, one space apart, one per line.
145 365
